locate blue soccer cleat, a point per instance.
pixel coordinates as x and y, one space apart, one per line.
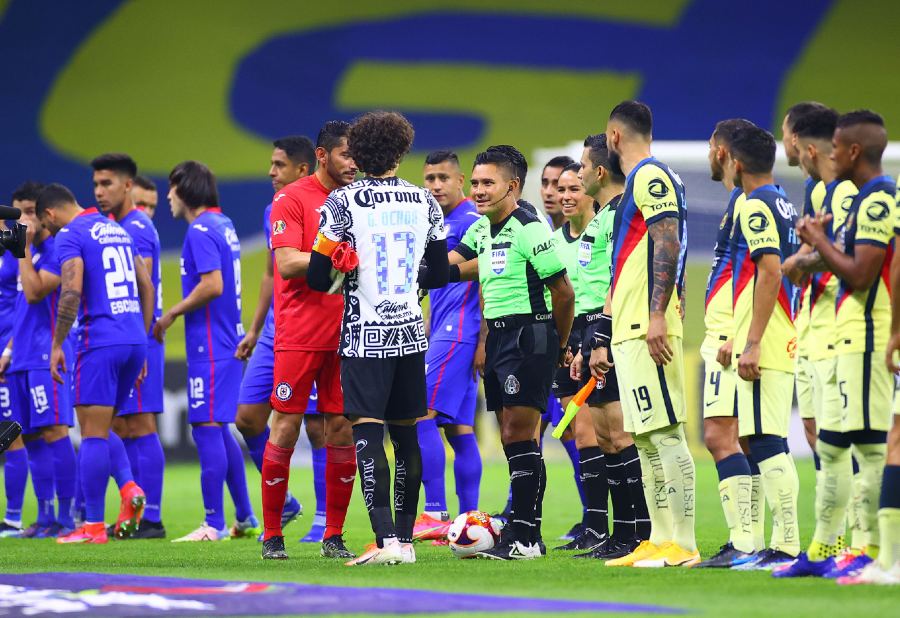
804 567
852 569
316 533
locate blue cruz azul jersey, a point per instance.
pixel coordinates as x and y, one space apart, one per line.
110 309
146 243
455 309
35 323
9 278
268 331
211 243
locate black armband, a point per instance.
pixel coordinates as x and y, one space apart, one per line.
454 273
603 334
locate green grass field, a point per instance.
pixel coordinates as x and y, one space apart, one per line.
711 593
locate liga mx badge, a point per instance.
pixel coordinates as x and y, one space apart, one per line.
511 386
283 391
584 253
498 260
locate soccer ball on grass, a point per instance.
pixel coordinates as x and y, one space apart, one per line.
471 533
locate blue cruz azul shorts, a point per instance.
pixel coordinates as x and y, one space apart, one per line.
34 400
256 386
451 386
554 412
148 396
213 389
105 376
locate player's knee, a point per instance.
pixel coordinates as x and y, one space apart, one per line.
668 437
718 439
458 430
893 444
140 425
832 454
620 440
605 444
54 433
285 429
338 431
765 447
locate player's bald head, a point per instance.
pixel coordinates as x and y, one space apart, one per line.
865 129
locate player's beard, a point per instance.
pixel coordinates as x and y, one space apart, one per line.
615 163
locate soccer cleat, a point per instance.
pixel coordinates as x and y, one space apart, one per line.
846 557
427 528
204 533
873 573
587 540
766 560
617 548
573 533
851 569
31 532
645 550
247 529
8 530
804 567
291 511
88 533
150 530
55 530
333 547
512 551
408 551
726 558
316 532
670 554
130 511
273 549
600 551
391 553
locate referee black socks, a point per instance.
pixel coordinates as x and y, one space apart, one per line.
596 489
524 479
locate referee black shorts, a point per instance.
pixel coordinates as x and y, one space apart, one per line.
608 388
520 364
387 389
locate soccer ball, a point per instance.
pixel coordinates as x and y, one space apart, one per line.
471 533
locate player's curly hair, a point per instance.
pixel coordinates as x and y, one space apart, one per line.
378 141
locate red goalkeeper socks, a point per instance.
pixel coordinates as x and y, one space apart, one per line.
340 472
276 471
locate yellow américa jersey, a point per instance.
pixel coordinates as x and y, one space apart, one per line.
812 203
719 314
819 305
652 192
764 224
863 319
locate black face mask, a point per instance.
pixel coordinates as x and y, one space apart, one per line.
615 163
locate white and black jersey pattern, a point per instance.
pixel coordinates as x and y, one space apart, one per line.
389 222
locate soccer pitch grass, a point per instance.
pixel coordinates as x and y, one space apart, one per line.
713 593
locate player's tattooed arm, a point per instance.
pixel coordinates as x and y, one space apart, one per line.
69 297
666 250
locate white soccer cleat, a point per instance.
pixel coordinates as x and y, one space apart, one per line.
391 553
873 573
205 533
408 551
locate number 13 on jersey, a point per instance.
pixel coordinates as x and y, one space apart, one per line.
394 262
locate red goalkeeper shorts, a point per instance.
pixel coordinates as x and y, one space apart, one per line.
295 372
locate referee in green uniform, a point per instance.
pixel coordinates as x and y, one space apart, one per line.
529 305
